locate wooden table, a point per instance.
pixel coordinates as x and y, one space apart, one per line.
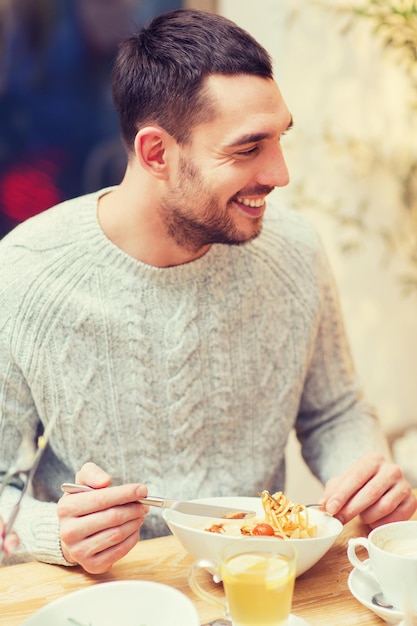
321 595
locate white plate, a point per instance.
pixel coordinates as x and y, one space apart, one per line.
363 586
124 602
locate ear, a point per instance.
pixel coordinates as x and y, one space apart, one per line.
151 146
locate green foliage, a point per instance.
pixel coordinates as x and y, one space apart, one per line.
394 23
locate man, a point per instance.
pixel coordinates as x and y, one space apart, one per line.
174 332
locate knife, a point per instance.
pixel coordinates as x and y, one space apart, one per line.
190 508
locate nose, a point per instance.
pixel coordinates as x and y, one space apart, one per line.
274 170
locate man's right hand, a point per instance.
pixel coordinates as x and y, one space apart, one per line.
10 542
99 527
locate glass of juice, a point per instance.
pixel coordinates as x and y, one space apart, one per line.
258 581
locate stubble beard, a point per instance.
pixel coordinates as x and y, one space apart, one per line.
213 224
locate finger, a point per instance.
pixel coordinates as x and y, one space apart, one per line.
97 554
87 502
399 503
92 475
11 543
379 497
83 536
74 529
388 483
339 491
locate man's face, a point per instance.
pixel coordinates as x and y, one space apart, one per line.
231 164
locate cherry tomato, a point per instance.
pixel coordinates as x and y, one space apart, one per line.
263 529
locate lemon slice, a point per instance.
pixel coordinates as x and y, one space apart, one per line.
277 573
247 563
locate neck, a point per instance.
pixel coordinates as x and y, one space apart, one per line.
133 225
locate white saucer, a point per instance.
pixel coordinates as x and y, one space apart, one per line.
363 586
294 620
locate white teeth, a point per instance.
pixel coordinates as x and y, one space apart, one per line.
255 204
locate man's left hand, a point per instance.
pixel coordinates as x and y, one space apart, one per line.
373 488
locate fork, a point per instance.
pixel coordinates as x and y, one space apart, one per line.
25 464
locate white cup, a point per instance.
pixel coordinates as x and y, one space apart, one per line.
392 550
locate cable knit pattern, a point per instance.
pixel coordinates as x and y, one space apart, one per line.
188 379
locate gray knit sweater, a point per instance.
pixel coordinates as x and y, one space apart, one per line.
188 379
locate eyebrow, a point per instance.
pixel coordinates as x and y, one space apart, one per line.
255 137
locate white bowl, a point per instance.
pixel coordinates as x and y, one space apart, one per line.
189 530
124 602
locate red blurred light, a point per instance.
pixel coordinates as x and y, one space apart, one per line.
29 188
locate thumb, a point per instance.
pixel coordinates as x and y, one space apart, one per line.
92 475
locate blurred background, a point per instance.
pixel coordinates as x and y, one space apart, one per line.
348 71
59 134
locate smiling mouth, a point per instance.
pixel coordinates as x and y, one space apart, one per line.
253 203
251 207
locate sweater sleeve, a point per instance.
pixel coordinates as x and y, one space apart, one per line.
37 523
37 526
335 424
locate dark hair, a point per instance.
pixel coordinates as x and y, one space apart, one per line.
159 73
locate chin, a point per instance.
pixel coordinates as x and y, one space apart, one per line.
255 232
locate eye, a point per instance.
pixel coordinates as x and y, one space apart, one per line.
248 151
